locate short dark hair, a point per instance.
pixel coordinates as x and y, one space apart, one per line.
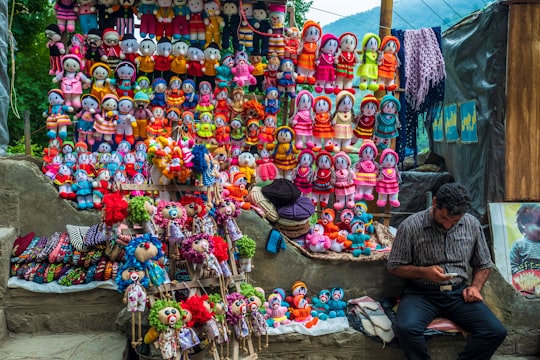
526 214
453 197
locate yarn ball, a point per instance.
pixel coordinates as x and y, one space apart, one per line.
281 192
301 209
116 208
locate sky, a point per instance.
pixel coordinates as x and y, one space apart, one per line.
332 9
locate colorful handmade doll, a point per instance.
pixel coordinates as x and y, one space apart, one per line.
211 62
50 169
302 120
237 103
129 47
284 154
124 75
387 121
323 181
254 301
316 240
320 304
308 52
267 131
76 47
72 80
223 71
162 59
365 120
191 98
160 125
142 115
242 70
276 313
342 120
146 13
344 181
304 172
180 25
245 32
198 249
325 72
86 117
221 106
276 43
124 13
179 58
272 69
105 124
327 220
231 18
236 317
197 30
366 171
159 89
106 14
368 69
145 61
101 186
226 214
94 50
87 12
252 134
65 15
258 72
206 98
64 180
323 132
101 82
262 27
126 121
205 128
345 62
213 22
337 306
166 317
174 96
195 62
111 47
82 187
164 18
359 238
388 63
286 78
266 169
57 115
247 165
292 38
223 130
238 189
388 181
56 48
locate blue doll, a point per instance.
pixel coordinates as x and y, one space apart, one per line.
321 308
82 187
336 304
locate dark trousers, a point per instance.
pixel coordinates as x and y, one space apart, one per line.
418 307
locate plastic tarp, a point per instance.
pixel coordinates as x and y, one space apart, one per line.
475 55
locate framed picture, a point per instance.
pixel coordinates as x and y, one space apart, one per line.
515 229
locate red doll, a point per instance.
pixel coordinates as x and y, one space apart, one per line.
323 183
345 62
365 121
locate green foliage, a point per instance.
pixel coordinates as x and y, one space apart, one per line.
301 8
19 147
31 73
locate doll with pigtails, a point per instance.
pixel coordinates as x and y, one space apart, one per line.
368 69
388 63
323 131
388 180
308 52
302 120
57 115
366 171
342 120
323 180
285 152
72 80
344 181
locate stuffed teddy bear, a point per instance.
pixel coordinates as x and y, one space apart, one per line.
368 69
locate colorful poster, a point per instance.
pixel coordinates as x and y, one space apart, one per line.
437 126
467 113
515 231
450 123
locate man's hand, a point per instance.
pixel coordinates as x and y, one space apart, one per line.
435 273
472 294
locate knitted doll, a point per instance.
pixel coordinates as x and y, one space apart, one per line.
359 238
64 180
316 240
94 49
387 121
292 38
223 71
211 62
236 317
197 30
231 20
146 11
237 103
100 187
213 22
174 96
320 304
345 62
367 70
106 14
101 82
164 17
271 101
270 74
238 189
166 317
337 306
198 249
285 152
111 47
276 313
206 98
303 176
145 61
126 121
72 80
388 63
65 15
245 32
178 64
323 132
388 181
325 72
308 51
302 120
195 62
365 120
124 13
50 169
142 115
254 300
105 124
205 128
276 43
159 87
57 115
162 59
266 169
242 70
247 165
87 12
323 182
129 46
76 47
262 27
344 181
342 119
258 72
267 131
252 134
191 98
366 171
83 188
226 213
56 48
223 130
286 78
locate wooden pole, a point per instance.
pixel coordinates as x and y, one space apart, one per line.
27 134
387 7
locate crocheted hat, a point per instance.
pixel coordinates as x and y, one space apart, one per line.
309 23
342 94
100 64
343 154
301 209
293 232
324 153
389 151
21 244
300 94
368 143
350 34
388 38
390 98
327 37
369 99
368 36
281 192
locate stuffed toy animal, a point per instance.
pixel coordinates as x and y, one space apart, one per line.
124 13
328 216
162 59
65 15
324 179
164 19
389 178
105 124
286 78
276 43
106 14
308 51
342 120
359 238
83 188
304 172
129 47
387 121
111 47
145 60
146 11
325 72
366 171
180 25
388 63
101 83
284 154
261 24
56 48
87 12
72 80
166 317
368 69
302 120
344 181
293 38
337 305
365 120
242 70
345 62
316 240
320 306
323 132
231 18
57 115
213 22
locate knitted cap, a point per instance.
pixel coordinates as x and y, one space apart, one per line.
327 37
368 36
301 93
388 38
389 151
100 64
281 192
369 99
368 143
343 154
390 98
21 243
324 153
301 209
257 198
342 94
309 23
276 8
348 33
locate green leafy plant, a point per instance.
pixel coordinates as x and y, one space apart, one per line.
246 246
20 148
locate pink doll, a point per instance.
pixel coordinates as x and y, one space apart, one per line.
366 171
146 11
344 181
197 30
87 12
65 15
292 38
276 313
365 121
57 115
387 121
126 121
71 80
342 119
266 169
56 48
51 169
316 240
111 47
388 63
86 117
101 187
82 187
206 97
101 82
213 22
325 72
195 62
267 131
285 152
304 172
223 130
242 70
276 15
76 48
105 124
345 62
124 75
388 181
272 69
64 181
308 51
323 132
367 70
164 19
286 78
180 22
302 120
323 181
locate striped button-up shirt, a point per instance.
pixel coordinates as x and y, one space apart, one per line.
420 241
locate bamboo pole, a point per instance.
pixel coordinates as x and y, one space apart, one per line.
387 7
